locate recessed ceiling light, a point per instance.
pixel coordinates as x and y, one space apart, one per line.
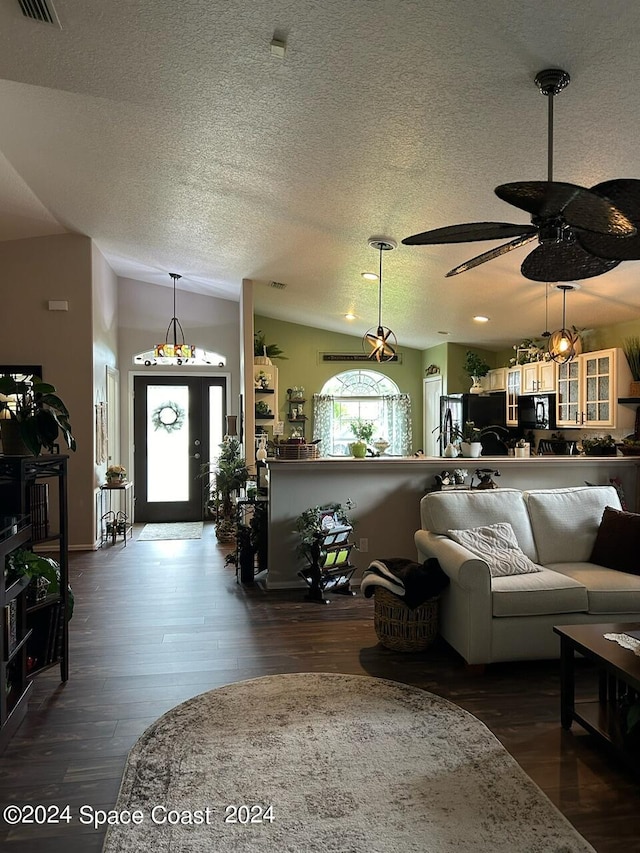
349 316
480 318
370 276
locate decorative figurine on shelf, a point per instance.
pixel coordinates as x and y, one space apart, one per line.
261 381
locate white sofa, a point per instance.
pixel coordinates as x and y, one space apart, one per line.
489 619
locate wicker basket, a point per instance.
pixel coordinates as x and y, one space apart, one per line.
634 389
297 451
401 629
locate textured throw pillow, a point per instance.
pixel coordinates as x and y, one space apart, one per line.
617 544
498 547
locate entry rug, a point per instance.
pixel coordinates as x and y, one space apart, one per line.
175 530
329 763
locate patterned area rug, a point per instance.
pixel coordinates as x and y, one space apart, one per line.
326 763
177 530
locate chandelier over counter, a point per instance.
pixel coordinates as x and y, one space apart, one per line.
380 343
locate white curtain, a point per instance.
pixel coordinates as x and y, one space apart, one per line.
323 422
397 416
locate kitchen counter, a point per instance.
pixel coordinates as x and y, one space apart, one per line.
387 492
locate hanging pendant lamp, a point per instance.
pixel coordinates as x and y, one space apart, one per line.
380 343
172 348
562 344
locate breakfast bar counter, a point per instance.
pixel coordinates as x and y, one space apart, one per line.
386 493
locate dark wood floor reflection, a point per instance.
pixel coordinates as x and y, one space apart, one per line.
158 622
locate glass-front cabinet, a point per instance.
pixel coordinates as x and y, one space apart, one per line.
588 390
598 381
568 395
514 378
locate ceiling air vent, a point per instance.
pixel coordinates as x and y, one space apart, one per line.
40 10
278 285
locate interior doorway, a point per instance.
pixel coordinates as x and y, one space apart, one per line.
178 425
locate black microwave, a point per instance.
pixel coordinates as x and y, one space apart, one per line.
537 411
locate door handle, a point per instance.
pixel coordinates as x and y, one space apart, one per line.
195 456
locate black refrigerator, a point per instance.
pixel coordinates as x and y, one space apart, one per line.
483 409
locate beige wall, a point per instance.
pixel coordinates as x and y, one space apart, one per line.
303 345
57 267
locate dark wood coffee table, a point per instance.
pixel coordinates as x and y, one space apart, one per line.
618 678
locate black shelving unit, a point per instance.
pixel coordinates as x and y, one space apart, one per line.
22 479
329 569
299 420
15 533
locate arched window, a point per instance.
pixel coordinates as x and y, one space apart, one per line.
369 396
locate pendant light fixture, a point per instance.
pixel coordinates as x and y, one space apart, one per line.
171 348
380 343
562 344
174 350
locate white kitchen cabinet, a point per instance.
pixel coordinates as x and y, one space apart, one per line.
495 380
514 380
588 391
539 377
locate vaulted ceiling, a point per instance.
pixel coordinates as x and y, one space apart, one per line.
170 134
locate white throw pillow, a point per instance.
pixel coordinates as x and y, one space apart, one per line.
498 546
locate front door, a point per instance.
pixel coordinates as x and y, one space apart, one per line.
178 425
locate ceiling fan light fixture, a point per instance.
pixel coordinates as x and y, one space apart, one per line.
380 343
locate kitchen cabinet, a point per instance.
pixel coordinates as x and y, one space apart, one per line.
514 381
495 380
588 390
539 377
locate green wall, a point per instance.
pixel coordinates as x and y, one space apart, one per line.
303 345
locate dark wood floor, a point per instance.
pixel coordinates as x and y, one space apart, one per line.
158 622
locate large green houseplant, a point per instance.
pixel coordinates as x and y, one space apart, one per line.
227 475
32 409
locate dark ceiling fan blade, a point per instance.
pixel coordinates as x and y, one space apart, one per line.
578 206
470 232
491 254
566 261
625 194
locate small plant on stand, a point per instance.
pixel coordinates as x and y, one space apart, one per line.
475 367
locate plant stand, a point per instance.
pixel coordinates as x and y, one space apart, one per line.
329 569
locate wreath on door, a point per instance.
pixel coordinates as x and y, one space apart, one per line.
168 416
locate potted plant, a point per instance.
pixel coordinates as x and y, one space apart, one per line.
228 474
363 431
264 352
43 572
476 367
470 444
116 475
33 416
599 445
631 347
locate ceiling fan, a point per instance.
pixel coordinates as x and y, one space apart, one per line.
581 232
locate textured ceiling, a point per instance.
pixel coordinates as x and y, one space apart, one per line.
169 134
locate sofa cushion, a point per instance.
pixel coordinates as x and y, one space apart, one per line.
565 521
497 545
537 594
617 542
455 510
609 592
